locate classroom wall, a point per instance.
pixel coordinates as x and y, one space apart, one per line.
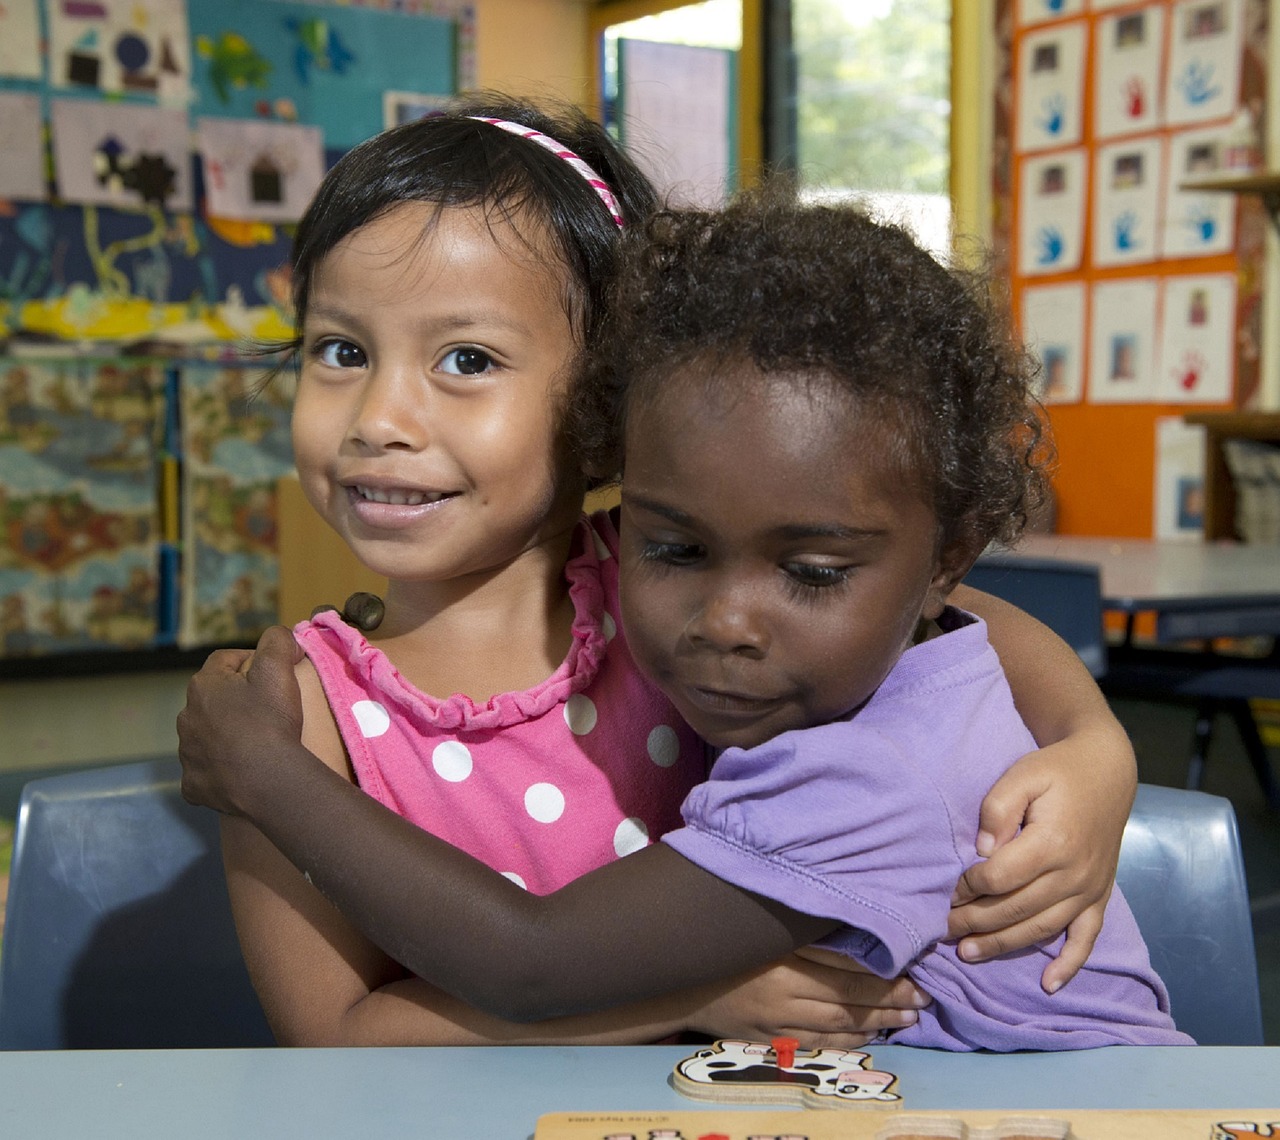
533 47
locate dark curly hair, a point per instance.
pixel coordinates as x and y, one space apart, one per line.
452 160
827 293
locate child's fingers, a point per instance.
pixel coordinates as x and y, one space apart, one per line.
1039 926
1004 808
1081 935
845 982
1036 853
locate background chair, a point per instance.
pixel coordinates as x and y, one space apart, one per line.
1066 596
118 930
1182 872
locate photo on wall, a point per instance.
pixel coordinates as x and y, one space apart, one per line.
1053 329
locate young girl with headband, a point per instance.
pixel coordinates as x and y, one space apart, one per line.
449 282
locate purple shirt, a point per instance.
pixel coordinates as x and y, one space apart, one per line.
871 820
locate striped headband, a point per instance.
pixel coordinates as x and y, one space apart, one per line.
598 184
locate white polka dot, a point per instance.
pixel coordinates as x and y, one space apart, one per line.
580 714
452 761
371 717
602 551
519 882
544 802
631 835
609 626
664 746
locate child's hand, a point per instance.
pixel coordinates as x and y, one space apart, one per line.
821 998
240 706
1055 874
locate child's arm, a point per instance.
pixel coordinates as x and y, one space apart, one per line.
1070 799
322 983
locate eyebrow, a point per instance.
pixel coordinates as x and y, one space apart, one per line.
790 531
451 322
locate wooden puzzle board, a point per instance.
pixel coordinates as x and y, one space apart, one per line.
885 1124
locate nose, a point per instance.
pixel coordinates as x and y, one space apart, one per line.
391 413
730 620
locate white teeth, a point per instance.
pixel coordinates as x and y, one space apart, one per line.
398 498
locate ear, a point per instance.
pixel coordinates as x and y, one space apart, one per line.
954 562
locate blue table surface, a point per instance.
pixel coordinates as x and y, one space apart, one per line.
499 1093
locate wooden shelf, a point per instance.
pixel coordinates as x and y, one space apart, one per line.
1219 490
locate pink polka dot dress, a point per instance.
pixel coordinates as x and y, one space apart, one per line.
542 785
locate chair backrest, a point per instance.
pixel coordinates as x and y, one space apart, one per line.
118 931
1066 596
1182 872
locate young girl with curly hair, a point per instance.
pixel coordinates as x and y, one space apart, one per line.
444 326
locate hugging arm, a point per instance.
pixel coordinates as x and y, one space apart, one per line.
323 982
1070 799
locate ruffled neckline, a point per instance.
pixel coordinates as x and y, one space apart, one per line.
371 667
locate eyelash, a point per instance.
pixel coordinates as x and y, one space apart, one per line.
829 578
804 581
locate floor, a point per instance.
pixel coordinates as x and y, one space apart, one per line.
1161 735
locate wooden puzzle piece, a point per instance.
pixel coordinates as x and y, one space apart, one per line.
953 1128
750 1072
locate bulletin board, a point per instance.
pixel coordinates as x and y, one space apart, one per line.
1141 295
155 156
158 152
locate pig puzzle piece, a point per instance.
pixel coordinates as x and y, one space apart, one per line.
750 1072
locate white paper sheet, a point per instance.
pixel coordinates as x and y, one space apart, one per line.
1127 180
1127 49
1051 202
1050 87
1197 343
1053 328
22 144
676 118
1206 39
20 39
1123 341
1179 498
259 171
121 154
1197 223
138 46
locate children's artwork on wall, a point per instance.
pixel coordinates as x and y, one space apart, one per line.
1053 328
259 171
1127 51
235 447
1051 88
1203 80
22 145
1198 339
20 55
1122 352
1179 490
329 63
1039 11
1127 180
1197 223
138 47
78 505
399 107
1051 213
121 154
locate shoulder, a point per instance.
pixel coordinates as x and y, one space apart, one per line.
319 729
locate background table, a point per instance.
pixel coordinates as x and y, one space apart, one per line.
499 1093
1195 589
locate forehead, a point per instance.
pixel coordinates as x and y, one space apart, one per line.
412 245
792 419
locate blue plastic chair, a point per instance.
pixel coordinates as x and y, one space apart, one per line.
1066 596
118 931
1182 872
